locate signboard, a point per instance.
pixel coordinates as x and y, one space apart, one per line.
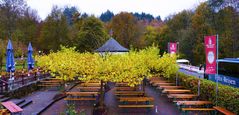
226 80
211 54
172 48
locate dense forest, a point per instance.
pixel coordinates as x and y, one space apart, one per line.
69 27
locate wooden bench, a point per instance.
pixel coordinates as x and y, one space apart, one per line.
136 106
163 84
129 93
93 81
223 110
12 107
198 109
80 99
173 91
88 88
51 81
90 85
80 87
184 103
158 81
121 84
82 93
48 85
170 87
51 84
125 88
182 96
135 99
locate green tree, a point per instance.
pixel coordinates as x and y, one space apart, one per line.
54 31
91 35
151 36
202 26
126 29
10 12
28 26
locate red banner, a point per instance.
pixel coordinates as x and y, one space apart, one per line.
172 48
211 54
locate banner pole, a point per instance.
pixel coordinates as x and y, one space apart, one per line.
217 72
168 48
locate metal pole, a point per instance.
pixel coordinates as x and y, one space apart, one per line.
168 48
178 47
217 71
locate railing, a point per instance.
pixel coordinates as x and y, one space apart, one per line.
3 86
20 81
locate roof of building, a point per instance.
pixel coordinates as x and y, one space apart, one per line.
112 46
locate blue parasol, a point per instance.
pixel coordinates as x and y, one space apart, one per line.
30 60
10 63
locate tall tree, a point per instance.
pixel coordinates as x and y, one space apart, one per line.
106 16
151 36
91 35
202 26
10 12
69 13
54 31
126 29
28 26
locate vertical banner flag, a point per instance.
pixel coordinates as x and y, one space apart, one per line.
211 54
172 48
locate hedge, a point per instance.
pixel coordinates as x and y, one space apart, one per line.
228 97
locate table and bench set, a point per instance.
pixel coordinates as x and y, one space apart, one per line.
184 99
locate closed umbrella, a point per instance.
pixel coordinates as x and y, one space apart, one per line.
30 60
10 63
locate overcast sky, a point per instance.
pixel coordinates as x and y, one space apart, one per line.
96 7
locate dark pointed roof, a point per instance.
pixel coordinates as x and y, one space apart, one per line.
112 46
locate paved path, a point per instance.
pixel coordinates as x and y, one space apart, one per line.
40 100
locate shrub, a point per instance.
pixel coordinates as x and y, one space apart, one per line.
228 97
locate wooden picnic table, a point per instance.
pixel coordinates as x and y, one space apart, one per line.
223 110
163 84
158 81
125 88
136 106
90 85
121 84
193 102
182 96
82 93
170 87
173 91
80 87
12 107
80 99
135 99
129 93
